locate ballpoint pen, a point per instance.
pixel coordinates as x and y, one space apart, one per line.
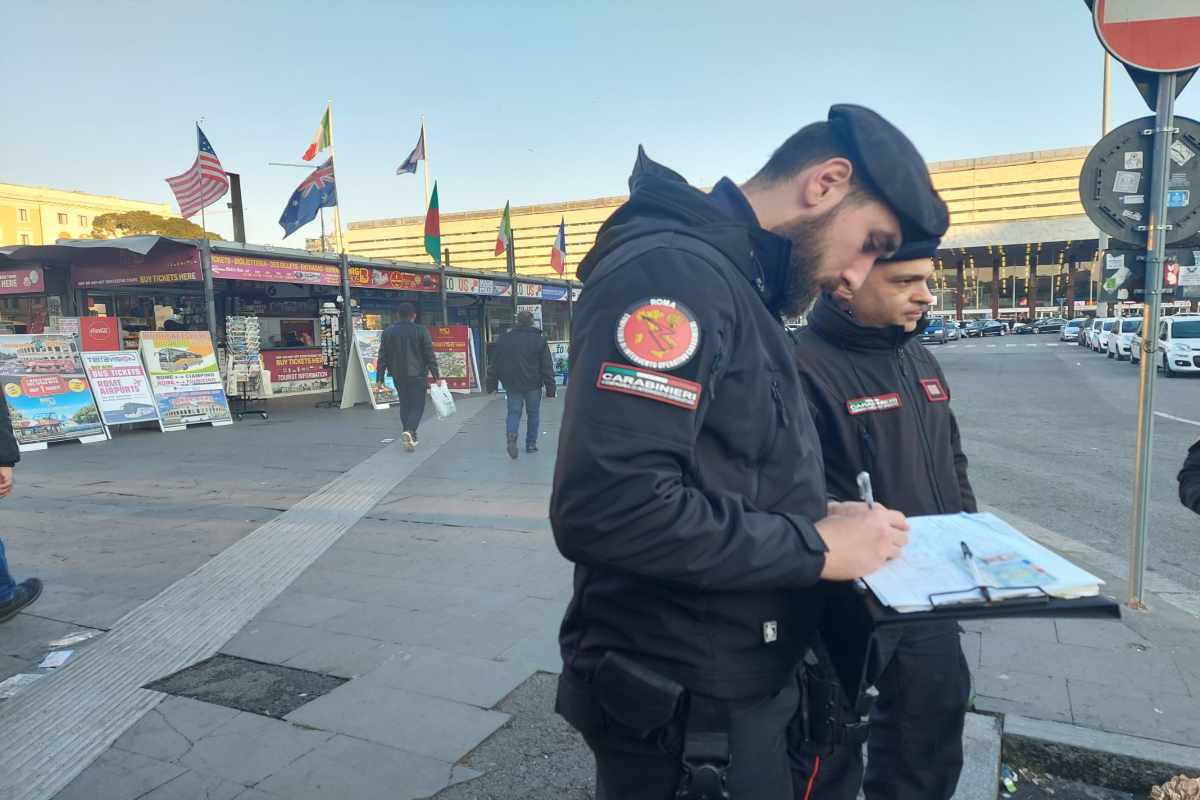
973 568
864 489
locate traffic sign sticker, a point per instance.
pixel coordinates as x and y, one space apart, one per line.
1127 182
1155 35
1181 153
1178 199
1134 159
1134 199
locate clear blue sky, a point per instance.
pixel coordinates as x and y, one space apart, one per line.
526 101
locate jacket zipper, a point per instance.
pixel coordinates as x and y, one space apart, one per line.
781 416
925 446
868 446
714 372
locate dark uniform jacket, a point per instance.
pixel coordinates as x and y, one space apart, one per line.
881 404
521 361
406 351
9 454
1189 479
686 493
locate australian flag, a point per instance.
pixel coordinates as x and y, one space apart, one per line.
315 192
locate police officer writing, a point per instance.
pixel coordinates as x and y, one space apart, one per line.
689 489
882 405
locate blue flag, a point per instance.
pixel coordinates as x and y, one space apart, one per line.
315 192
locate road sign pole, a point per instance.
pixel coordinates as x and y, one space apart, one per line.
1156 241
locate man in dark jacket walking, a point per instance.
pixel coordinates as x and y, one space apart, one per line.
13 596
1189 479
882 405
688 488
521 361
406 353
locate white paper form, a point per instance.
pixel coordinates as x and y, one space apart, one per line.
932 564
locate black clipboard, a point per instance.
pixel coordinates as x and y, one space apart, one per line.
853 617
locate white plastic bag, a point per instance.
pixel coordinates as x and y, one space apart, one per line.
443 401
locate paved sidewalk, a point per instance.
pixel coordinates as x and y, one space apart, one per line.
438 607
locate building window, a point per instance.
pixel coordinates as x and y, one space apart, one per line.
62 219
23 214
82 221
24 238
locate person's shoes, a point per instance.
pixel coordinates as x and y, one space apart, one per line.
531 447
27 591
512 445
408 441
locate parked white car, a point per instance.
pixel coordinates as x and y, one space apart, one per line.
1120 342
1100 333
1135 346
1178 344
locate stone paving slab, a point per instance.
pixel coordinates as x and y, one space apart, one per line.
451 676
428 726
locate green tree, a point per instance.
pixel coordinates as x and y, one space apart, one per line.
85 415
133 223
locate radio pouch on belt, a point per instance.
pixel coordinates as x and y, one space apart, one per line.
635 697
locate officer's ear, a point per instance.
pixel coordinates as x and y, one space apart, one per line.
822 186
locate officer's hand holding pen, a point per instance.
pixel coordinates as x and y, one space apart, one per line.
861 537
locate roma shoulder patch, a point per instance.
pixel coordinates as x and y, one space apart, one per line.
880 402
658 333
649 384
934 391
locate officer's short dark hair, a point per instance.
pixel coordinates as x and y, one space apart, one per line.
406 311
813 144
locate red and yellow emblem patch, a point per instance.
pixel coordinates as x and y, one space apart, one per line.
658 333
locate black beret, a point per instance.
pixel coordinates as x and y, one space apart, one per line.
894 168
913 249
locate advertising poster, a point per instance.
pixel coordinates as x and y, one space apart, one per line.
251 268
455 350
22 281
560 357
185 378
47 390
363 361
121 387
393 280
297 371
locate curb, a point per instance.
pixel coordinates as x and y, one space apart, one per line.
1115 760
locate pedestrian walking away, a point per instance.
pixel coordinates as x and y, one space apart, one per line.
13 596
406 353
882 405
689 488
1189 479
521 361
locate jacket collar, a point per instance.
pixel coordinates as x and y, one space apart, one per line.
832 323
662 198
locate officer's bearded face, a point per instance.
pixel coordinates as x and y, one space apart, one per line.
835 250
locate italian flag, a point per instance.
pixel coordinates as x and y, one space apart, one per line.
322 139
433 228
504 237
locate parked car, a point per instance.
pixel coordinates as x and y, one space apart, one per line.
1090 332
1101 334
1179 343
986 327
953 330
1120 342
1049 325
935 332
1071 331
1023 328
1135 344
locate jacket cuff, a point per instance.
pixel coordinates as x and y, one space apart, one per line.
808 533
7 464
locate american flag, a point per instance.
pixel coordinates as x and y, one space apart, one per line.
203 184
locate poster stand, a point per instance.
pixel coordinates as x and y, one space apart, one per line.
185 378
360 387
121 388
48 391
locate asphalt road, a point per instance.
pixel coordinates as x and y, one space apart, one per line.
1050 432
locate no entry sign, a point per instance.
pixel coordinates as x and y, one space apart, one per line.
1154 35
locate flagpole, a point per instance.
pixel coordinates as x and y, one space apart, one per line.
337 207
425 141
